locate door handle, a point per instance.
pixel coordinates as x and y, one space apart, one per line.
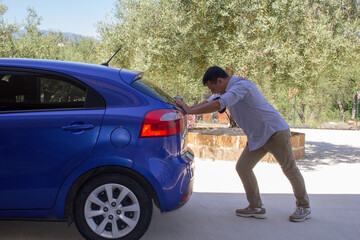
78 127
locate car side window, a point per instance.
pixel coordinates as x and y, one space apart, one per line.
54 91
30 91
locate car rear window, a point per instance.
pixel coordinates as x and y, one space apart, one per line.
152 90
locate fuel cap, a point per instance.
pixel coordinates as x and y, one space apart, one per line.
120 137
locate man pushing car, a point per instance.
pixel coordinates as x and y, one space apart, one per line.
266 131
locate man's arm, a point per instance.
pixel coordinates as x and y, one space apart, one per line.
204 107
199 104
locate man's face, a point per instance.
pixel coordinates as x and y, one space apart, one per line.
215 88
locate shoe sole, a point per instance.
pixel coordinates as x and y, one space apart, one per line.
300 219
258 216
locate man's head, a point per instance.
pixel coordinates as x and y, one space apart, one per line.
216 79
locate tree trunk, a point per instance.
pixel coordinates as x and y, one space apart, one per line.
301 113
353 112
342 111
312 115
230 69
232 122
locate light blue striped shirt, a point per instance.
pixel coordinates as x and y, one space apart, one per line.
251 111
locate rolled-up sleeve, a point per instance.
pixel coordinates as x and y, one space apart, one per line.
216 96
235 94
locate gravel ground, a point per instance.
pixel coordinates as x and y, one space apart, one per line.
331 165
331 170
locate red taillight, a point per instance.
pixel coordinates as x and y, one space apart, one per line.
186 197
163 122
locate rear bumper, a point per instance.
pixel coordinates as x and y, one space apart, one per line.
186 196
189 157
170 173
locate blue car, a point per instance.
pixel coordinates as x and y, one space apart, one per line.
89 144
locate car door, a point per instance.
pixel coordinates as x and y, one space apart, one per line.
47 128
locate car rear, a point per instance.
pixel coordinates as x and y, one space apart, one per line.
137 154
162 155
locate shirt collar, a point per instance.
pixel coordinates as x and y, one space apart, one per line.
231 82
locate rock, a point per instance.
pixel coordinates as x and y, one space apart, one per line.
228 143
219 131
329 125
339 126
343 126
351 123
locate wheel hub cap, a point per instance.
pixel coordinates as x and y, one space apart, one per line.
112 210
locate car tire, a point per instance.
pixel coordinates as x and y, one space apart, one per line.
126 216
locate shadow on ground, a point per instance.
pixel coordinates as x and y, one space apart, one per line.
211 216
321 153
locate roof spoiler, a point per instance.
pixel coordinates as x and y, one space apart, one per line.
130 76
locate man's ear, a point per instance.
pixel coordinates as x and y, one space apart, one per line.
219 81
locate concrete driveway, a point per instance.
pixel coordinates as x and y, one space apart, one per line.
332 173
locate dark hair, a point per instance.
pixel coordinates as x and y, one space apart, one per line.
213 73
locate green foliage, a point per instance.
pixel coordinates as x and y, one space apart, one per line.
32 43
311 45
6 31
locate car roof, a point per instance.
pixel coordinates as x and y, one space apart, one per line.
72 68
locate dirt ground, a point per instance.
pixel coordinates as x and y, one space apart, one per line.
330 168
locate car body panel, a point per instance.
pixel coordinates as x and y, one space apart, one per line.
27 172
163 162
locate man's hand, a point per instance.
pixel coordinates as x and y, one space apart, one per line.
183 105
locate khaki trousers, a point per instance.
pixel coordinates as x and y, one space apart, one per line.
279 145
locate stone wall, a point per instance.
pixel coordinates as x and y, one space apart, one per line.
229 148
